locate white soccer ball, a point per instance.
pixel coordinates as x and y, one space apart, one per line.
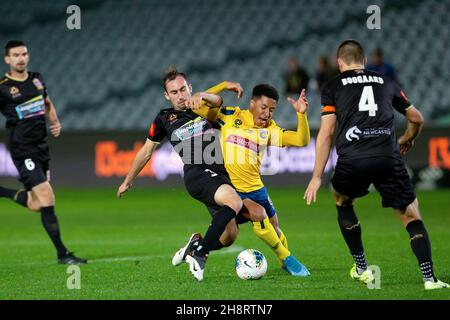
250 264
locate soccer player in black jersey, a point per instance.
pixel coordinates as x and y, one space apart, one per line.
362 103
205 179
25 104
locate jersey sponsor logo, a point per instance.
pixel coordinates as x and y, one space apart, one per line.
362 79
32 108
352 133
38 84
192 129
243 142
355 133
376 132
14 91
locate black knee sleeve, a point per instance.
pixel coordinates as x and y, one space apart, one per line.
347 217
350 229
420 242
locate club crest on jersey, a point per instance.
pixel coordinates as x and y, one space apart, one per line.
263 134
237 123
172 117
38 84
14 91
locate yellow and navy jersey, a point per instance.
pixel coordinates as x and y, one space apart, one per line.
22 103
244 145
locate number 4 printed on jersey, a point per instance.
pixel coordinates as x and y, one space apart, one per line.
367 101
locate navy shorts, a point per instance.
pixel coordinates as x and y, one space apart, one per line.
261 197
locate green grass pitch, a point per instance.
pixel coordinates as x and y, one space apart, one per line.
130 243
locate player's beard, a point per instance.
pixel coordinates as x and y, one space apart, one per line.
20 68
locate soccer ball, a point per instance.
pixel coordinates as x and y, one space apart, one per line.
250 264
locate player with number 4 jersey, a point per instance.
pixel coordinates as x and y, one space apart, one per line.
359 105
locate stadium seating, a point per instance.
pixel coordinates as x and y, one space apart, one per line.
106 75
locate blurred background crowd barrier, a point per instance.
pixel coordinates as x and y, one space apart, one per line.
105 79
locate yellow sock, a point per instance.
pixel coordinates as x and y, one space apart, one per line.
265 231
283 240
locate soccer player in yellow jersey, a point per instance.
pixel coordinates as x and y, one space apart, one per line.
245 135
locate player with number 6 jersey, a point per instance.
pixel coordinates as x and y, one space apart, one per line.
25 104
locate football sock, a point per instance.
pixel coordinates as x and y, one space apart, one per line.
50 223
266 232
19 196
351 231
215 230
283 240
420 245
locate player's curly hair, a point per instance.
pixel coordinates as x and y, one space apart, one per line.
266 90
170 74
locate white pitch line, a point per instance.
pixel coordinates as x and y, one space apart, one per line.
229 250
233 249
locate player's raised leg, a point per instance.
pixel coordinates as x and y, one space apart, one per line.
420 244
230 203
18 196
351 231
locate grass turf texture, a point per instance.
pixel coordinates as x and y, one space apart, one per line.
130 243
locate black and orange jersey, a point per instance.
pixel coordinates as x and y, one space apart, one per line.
192 137
22 102
363 102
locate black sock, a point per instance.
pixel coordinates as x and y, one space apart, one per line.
19 196
216 245
420 245
219 222
50 223
351 231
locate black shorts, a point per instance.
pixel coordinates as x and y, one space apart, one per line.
33 170
202 183
352 178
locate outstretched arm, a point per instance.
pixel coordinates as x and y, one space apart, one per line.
229 86
323 148
139 162
201 104
300 137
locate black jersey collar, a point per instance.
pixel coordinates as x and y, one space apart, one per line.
15 79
